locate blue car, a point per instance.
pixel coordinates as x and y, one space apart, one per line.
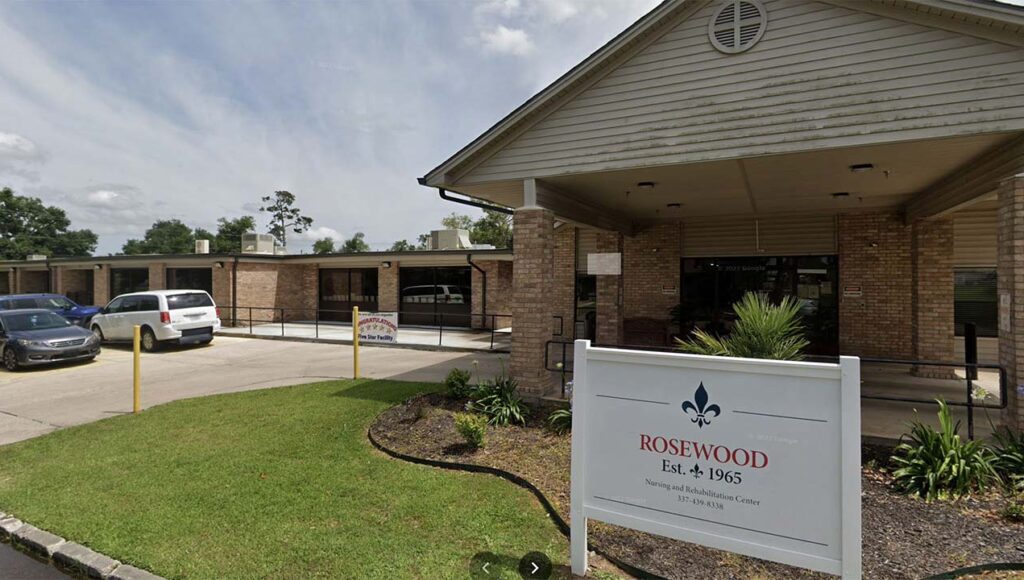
77 315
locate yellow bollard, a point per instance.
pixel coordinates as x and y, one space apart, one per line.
355 342
136 347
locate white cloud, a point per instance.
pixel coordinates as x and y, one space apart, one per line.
17 155
317 233
504 40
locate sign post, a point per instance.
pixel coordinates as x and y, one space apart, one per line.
355 342
757 457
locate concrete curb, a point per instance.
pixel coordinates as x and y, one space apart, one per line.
68 556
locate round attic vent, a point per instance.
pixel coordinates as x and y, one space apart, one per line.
737 25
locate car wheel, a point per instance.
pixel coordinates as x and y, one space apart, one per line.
149 341
98 332
10 360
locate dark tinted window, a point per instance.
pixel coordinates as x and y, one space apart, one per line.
115 305
130 304
127 280
24 303
148 303
191 300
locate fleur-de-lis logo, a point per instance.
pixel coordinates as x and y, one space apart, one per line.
696 472
702 411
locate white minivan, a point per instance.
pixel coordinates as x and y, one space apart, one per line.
180 316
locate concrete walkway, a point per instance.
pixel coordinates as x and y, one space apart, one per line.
35 402
446 338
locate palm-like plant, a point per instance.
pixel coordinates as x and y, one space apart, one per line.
763 330
938 464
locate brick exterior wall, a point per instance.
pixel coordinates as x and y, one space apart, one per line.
875 255
564 301
76 284
101 286
7 285
269 285
387 288
158 276
531 298
609 294
932 324
33 281
650 270
1010 264
499 294
221 281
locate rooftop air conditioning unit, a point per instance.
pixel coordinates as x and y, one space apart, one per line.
35 257
449 240
202 246
258 244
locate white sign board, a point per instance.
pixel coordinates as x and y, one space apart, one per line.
604 264
378 327
756 457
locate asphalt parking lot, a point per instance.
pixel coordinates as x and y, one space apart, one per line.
36 401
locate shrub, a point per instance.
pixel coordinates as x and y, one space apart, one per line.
938 464
762 330
500 402
457 384
560 421
473 429
1010 457
1014 510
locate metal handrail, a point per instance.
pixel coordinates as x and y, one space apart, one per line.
280 315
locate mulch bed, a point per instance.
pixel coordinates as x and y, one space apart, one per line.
903 537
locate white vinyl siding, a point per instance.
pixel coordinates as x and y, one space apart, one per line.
822 76
974 238
769 236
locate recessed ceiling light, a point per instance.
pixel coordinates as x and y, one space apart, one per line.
862 167
840 194
645 185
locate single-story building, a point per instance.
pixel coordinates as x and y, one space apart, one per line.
468 288
864 156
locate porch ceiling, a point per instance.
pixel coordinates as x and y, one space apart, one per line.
801 182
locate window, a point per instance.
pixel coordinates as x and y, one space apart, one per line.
34 321
191 300
55 302
975 300
190 279
114 306
435 296
148 303
127 280
341 289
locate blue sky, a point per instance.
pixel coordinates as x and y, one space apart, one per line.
128 112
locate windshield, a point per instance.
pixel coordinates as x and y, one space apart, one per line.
56 303
192 300
33 321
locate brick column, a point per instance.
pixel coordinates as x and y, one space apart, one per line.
531 298
565 280
57 280
387 288
932 324
101 285
1010 264
9 276
16 288
609 294
221 282
158 276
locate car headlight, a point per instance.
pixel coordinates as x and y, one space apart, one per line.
27 342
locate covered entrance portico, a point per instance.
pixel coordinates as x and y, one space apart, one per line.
832 156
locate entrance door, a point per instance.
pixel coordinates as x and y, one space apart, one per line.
341 289
435 296
710 286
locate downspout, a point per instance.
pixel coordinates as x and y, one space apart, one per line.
469 260
234 292
478 204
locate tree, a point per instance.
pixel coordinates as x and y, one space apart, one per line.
229 234
284 217
423 242
324 246
493 228
163 237
29 227
402 246
355 244
457 222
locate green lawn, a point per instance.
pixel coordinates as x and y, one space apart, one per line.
273 483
